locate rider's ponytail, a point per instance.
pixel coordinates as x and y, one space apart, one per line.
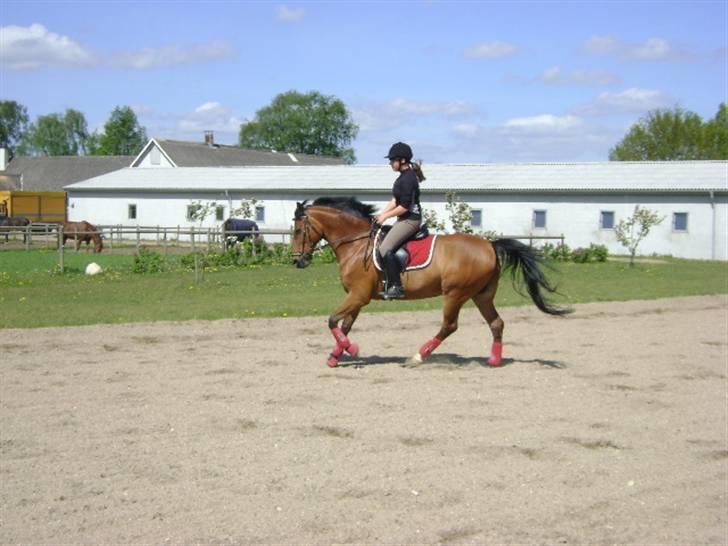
417 167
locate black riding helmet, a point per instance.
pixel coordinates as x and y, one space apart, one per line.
400 150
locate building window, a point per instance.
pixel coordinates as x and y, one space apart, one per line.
154 156
606 219
131 212
539 219
477 219
260 214
191 211
219 213
680 221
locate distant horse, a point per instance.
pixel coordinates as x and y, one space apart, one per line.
14 221
82 232
463 267
235 224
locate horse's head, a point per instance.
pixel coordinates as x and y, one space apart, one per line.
305 236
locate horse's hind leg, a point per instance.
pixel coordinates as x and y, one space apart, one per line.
484 302
450 313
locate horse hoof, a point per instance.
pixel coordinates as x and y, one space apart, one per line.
494 361
353 350
332 362
416 359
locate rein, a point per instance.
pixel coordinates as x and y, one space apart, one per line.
336 243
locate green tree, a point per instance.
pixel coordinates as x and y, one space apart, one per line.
716 134
13 125
122 134
76 131
47 136
309 123
56 134
662 135
631 231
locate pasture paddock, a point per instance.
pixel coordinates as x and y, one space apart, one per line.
607 426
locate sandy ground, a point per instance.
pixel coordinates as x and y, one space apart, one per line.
605 427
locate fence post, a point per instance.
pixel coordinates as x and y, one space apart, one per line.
27 237
192 234
177 234
60 248
157 234
165 241
138 236
209 234
47 228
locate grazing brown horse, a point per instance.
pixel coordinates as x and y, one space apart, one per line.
464 267
82 232
14 221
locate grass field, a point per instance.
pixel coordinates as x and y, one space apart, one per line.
32 296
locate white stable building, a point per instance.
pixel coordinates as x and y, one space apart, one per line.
581 201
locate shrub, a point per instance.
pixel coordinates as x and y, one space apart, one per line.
559 253
148 261
599 252
581 255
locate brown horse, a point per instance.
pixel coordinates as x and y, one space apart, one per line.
14 221
82 232
464 267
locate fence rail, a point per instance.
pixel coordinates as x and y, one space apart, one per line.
200 239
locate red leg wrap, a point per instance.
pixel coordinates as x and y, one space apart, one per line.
496 354
340 337
333 359
431 345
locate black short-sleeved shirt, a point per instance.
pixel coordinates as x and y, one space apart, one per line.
406 192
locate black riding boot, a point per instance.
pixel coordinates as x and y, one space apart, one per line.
392 271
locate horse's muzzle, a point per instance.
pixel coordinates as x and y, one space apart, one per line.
302 261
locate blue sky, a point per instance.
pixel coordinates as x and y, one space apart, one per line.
460 81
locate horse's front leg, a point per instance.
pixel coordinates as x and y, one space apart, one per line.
346 313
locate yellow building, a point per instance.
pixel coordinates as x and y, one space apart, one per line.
36 206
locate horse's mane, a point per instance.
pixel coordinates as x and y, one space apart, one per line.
349 205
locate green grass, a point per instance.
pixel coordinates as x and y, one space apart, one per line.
30 296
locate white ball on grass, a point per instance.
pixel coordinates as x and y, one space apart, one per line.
93 269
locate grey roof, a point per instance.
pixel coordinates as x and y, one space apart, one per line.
193 154
9 182
605 177
52 173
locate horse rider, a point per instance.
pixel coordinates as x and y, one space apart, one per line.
405 205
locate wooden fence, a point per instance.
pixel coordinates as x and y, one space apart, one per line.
194 239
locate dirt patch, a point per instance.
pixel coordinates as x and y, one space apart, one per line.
608 426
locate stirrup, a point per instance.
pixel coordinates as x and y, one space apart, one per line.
394 292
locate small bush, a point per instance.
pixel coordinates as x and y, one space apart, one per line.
599 252
559 253
148 261
325 255
581 255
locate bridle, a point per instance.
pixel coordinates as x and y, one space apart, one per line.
333 244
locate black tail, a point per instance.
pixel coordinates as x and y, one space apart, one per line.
515 255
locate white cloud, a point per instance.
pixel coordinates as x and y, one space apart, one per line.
632 100
208 116
546 137
490 50
544 122
401 111
25 48
173 55
653 49
284 13
555 76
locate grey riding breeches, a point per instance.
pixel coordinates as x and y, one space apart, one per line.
401 231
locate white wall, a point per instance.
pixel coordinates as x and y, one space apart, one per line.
153 158
574 216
